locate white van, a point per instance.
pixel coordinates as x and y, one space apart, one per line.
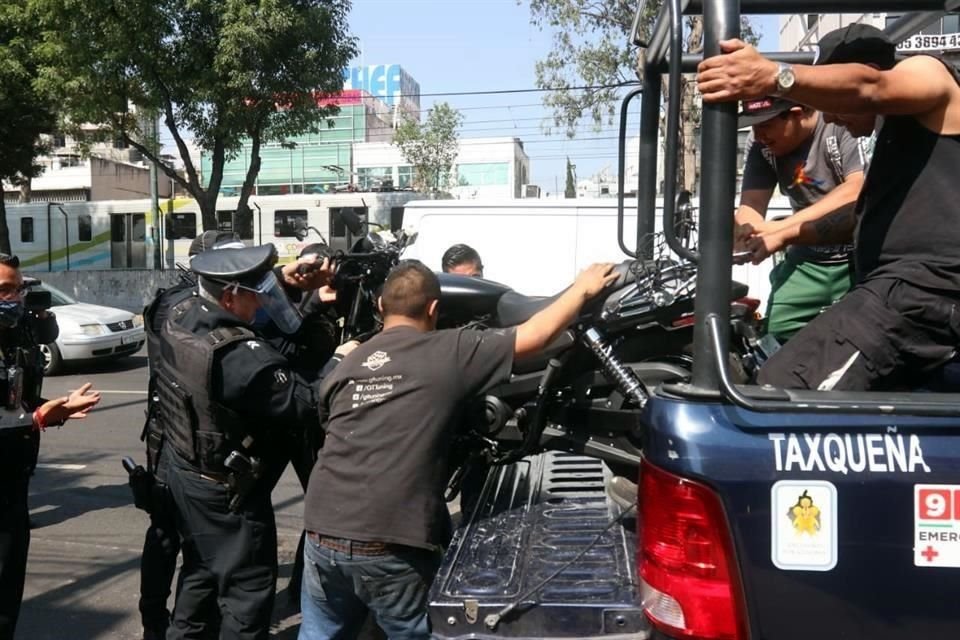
537 247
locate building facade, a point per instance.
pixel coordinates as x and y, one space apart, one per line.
353 151
107 171
801 32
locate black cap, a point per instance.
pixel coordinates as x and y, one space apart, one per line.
857 43
242 266
760 110
208 239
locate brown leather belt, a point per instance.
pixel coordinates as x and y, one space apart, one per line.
350 547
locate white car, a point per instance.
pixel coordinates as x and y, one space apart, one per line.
88 331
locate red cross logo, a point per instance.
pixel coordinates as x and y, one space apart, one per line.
929 553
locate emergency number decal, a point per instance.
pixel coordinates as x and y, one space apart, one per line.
804 525
936 520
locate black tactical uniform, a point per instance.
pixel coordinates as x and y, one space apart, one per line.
224 394
161 544
19 446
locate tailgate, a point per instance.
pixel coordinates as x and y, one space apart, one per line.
844 526
532 518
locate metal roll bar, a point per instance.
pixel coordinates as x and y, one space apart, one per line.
672 135
828 6
622 171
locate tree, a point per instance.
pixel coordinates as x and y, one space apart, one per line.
592 48
24 113
431 147
571 188
229 71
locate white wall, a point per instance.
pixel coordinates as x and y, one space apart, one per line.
793 27
538 246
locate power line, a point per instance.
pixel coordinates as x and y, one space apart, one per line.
494 92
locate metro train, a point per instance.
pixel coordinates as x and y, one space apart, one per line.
122 234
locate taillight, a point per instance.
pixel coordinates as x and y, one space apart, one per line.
745 306
752 304
690 583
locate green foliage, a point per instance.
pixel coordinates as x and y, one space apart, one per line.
431 147
592 48
570 190
24 112
227 71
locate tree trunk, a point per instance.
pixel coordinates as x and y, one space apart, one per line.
690 108
208 209
252 171
208 203
4 229
687 144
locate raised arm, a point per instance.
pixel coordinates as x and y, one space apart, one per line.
920 86
537 332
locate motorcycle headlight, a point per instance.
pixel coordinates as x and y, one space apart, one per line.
92 329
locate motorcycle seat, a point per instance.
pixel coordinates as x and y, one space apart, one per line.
515 308
469 296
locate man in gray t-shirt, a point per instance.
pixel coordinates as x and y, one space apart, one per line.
819 167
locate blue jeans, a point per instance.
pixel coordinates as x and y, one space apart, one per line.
339 588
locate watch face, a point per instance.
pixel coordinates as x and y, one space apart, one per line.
786 78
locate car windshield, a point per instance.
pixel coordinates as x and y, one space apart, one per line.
57 298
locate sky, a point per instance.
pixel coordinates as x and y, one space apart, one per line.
453 47
458 46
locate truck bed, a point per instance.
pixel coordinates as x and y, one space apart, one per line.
531 518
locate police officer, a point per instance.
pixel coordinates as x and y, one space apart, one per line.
23 414
161 544
224 393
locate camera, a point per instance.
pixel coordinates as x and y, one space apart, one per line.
37 300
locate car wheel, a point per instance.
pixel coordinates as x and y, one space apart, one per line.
52 360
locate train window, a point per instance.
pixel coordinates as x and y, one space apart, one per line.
84 227
181 226
337 228
236 222
286 224
26 229
225 221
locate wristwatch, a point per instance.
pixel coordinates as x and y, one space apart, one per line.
785 79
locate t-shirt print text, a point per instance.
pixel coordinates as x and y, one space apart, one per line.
376 360
372 390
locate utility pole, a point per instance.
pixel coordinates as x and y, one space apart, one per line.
155 194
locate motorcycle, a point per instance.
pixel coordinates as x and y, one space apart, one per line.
583 393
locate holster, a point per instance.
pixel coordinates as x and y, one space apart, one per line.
149 493
142 484
244 473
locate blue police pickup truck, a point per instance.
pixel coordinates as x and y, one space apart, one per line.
760 513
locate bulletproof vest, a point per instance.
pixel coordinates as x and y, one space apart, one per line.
154 316
21 366
202 430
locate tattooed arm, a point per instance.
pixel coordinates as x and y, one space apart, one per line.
835 227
